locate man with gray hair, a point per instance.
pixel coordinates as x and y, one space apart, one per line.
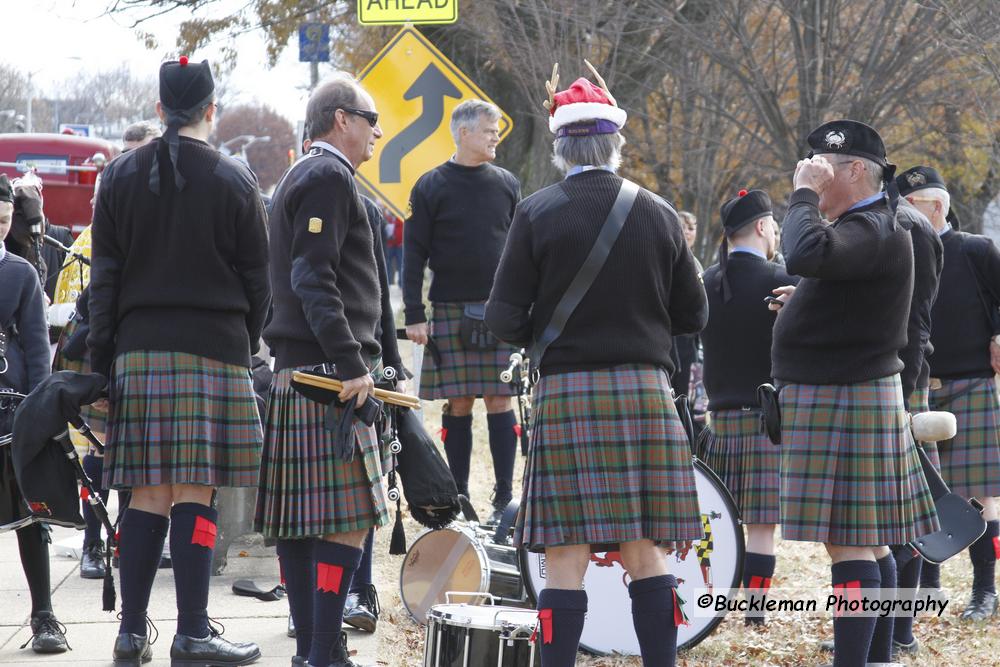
140 134
459 216
966 347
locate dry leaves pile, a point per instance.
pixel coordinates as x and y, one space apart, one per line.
787 641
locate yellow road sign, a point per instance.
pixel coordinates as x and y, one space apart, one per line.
415 88
385 12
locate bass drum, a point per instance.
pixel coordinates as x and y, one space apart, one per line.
716 560
458 558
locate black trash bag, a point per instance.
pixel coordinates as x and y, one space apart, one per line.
428 485
45 475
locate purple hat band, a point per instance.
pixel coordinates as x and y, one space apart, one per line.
587 128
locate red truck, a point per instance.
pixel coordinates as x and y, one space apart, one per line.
67 165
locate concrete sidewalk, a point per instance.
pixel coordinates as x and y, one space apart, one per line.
91 632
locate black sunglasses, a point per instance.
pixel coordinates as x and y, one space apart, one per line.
370 116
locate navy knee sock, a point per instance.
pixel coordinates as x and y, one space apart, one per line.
852 633
457 438
757 572
299 570
653 608
363 577
983 554
192 541
94 467
141 537
908 569
33 548
561 614
930 575
503 447
881 646
335 566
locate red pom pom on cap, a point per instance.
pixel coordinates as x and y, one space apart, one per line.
742 193
183 60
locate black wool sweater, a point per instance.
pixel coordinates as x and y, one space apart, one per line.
22 309
327 300
183 271
737 338
459 217
964 314
846 322
647 291
928 259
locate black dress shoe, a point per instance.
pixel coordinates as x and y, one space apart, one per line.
899 648
361 609
298 661
212 651
132 650
982 606
92 561
48 635
340 656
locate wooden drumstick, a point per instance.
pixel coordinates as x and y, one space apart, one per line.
394 397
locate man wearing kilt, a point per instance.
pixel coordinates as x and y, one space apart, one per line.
459 216
851 477
178 297
737 343
609 465
966 356
320 494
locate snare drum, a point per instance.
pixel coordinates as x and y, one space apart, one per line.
462 635
458 558
714 561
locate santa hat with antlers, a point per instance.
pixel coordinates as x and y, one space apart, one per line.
582 109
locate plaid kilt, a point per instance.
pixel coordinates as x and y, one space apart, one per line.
970 462
736 448
305 490
462 372
178 418
97 420
918 403
850 473
609 462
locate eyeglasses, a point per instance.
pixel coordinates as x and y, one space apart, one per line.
370 116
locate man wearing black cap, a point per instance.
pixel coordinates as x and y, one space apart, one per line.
737 343
321 489
851 477
965 344
178 296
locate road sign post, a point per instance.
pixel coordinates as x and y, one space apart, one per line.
415 88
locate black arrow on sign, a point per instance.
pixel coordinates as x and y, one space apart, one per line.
433 87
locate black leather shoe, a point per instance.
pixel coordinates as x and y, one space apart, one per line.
48 635
298 661
212 651
340 656
899 648
361 609
132 650
982 606
92 561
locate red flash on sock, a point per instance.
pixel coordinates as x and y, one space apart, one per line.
328 578
444 434
84 494
852 589
680 618
996 547
759 583
204 532
545 618
517 430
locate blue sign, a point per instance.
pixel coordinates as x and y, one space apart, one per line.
314 43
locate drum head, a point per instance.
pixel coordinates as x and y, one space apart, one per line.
482 617
715 560
450 559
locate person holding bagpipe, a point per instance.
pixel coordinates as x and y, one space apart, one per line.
737 343
966 355
851 475
609 467
24 362
321 486
179 294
